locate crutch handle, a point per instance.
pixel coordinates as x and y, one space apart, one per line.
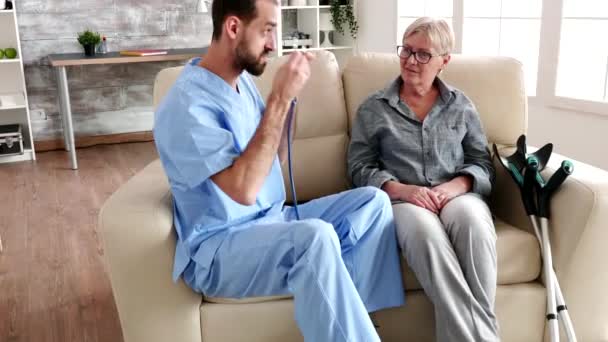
529 184
554 182
535 165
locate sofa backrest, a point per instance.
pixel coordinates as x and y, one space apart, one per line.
494 84
163 82
330 100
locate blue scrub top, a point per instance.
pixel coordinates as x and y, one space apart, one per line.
201 126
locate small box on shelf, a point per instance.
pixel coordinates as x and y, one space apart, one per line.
297 40
11 140
11 100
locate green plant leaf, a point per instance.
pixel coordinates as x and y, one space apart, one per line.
89 37
342 16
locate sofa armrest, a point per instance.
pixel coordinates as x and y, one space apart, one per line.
578 222
139 242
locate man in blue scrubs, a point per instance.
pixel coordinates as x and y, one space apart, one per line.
221 147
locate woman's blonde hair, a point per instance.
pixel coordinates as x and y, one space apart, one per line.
436 30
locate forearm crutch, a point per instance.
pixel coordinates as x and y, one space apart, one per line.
515 165
544 192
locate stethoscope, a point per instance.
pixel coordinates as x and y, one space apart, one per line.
293 187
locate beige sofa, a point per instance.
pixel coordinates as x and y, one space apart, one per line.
136 222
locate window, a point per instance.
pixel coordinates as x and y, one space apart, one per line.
582 71
410 10
574 73
506 28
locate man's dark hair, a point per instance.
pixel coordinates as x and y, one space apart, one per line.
243 9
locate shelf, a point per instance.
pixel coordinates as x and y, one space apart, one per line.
336 48
308 7
7 61
13 107
319 48
299 7
13 94
328 6
28 154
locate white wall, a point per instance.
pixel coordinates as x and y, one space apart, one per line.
578 135
581 136
377 25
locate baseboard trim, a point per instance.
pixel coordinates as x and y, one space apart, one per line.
87 141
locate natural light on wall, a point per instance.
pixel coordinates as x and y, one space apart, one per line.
583 58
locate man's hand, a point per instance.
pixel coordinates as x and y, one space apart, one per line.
291 77
447 191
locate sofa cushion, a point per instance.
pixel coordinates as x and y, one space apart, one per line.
520 309
518 262
494 84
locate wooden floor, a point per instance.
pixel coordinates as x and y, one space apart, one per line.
53 281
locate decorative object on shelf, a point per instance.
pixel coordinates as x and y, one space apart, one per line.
8 5
342 14
89 40
297 40
326 27
1 53
9 53
103 46
11 140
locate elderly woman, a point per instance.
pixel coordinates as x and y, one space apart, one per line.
422 142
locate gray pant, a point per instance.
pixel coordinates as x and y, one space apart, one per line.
453 255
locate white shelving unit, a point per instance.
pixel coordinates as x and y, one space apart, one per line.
308 22
13 83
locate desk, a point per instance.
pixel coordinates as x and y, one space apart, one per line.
61 61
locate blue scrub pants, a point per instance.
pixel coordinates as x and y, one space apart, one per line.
340 261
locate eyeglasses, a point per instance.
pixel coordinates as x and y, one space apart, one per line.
422 57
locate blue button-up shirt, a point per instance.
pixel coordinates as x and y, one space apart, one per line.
201 126
389 142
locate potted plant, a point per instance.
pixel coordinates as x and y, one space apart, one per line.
342 14
89 41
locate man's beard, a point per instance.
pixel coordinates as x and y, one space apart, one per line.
247 61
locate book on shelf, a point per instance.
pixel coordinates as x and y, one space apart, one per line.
143 52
